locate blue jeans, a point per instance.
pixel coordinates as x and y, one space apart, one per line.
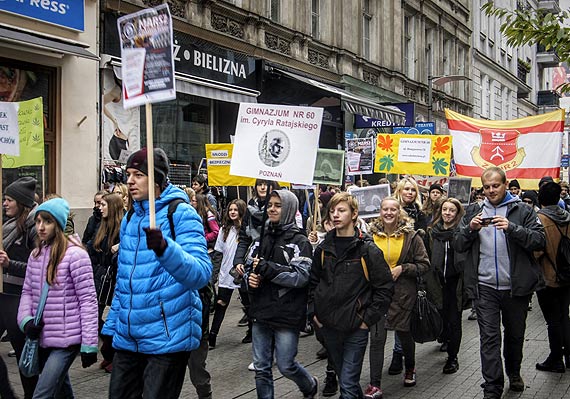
284 340
137 375
54 378
346 350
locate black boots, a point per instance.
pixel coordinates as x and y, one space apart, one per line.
397 365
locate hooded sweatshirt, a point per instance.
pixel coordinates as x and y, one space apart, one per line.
555 221
494 265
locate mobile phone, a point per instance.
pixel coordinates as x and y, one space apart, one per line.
486 221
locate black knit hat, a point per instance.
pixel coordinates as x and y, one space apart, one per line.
23 191
138 160
545 179
514 183
436 186
549 194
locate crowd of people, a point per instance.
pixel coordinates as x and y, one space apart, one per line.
143 295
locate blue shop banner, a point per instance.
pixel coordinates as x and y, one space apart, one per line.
363 122
427 128
67 13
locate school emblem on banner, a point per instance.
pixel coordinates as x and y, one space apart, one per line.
498 148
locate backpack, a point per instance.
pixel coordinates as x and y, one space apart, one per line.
172 205
562 264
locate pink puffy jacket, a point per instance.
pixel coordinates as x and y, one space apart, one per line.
70 313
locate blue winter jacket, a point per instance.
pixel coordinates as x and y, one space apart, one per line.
156 308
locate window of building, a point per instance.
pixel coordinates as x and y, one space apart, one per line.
181 127
315 12
447 61
409 46
20 82
274 9
366 22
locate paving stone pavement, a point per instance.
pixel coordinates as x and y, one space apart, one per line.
231 379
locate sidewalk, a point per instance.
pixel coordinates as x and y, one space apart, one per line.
231 379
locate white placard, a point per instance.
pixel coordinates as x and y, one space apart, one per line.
276 142
414 150
369 199
9 128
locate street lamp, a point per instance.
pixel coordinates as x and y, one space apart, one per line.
438 81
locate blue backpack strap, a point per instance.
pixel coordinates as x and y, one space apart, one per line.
172 205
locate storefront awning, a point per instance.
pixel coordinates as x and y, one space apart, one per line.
195 87
353 103
41 44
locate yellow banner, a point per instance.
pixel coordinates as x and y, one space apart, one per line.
218 160
414 154
31 123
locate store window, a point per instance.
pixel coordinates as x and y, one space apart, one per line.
181 128
20 82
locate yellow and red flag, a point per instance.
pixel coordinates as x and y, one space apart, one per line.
526 148
413 154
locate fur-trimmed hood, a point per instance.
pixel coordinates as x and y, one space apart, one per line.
405 225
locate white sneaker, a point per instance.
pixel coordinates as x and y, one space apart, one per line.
251 367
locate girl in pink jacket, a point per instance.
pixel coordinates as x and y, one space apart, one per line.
69 322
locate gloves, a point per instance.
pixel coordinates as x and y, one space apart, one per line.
32 331
87 359
155 240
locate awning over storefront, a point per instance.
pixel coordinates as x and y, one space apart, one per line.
17 39
202 88
353 103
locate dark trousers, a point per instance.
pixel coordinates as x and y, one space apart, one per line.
137 375
451 317
199 376
6 391
491 306
378 336
554 303
8 322
224 295
347 349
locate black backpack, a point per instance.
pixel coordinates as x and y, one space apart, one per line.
562 264
172 205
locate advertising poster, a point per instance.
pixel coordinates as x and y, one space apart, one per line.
359 156
276 142
369 199
121 127
329 167
413 154
9 128
146 56
460 189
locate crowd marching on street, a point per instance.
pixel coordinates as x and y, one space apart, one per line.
146 302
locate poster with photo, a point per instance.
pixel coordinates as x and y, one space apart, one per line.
276 142
359 156
460 189
369 199
329 167
121 127
147 63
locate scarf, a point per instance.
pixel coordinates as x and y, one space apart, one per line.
12 233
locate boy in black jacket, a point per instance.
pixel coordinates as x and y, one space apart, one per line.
353 288
278 288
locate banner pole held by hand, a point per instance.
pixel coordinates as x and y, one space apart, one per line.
150 163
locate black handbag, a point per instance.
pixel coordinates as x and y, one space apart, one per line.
426 324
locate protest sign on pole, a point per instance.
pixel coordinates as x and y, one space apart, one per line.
219 157
369 199
31 126
428 155
329 167
359 156
460 189
147 71
276 142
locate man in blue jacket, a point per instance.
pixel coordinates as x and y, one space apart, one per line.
501 273
156 315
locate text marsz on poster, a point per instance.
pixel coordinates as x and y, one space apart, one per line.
276 142
146 54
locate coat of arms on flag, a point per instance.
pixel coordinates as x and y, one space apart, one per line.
526 148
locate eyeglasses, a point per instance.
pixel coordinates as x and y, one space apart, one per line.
527 201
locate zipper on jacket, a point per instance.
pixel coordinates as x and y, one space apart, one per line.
131 285
446 246
164 319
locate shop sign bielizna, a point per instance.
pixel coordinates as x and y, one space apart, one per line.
67 13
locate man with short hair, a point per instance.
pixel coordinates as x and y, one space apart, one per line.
515 187
156 315
501 273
